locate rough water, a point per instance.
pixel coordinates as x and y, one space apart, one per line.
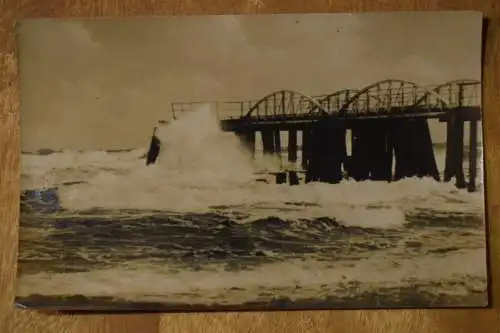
197 231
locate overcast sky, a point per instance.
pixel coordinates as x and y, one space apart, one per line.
104 83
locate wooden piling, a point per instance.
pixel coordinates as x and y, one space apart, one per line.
372 151
353 163
293 178
455 150
277 142
449 169
472 156
413 149
313 157
389 153
459 176
281 177
411 146
268 142
306 147
358 166
459 155
292 145
380 151
424 150
247 138
328 152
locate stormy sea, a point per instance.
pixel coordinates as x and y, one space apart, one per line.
203 229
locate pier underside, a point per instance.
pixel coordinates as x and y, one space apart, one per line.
382 149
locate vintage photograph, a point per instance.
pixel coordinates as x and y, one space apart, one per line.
252 162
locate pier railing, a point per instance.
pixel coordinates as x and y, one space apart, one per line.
384 96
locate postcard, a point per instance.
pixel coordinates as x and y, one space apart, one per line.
252 162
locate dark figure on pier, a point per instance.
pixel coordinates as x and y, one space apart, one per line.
154 148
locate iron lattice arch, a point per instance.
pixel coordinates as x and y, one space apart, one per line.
456 93
334 102
393 96
286 104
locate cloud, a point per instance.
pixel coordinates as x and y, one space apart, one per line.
113 78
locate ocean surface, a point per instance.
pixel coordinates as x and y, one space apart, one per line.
100 230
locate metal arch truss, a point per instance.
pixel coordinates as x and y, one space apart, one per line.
456 93
285 103
335 102
394 96
399 96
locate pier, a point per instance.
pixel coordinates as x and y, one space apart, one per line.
388 123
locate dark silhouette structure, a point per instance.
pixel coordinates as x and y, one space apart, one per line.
154 148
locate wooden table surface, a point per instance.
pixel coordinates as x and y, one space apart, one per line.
400 321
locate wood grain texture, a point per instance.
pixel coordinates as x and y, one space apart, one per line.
400 321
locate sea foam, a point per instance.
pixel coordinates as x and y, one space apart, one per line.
201 167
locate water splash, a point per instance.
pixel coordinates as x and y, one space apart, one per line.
195 148
201 167
159 282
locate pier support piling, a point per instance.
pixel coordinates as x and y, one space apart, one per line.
306 146
380 151
327 153
472 156
247 138
413 149
292 145
424 150
277 143
371 156
459 175
293 178
268 142
449 169
454 151
357 165
281 178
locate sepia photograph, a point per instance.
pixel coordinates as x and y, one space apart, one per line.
252 162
